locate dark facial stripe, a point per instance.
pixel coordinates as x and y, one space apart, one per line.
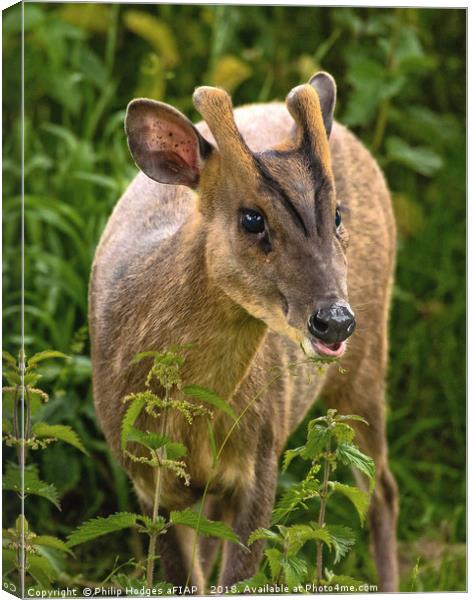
275 187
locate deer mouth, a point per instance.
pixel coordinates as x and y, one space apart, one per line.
328 350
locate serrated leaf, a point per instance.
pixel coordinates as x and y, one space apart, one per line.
129 419
12 378
350 455
342 539
101 526
63 433
153 527
298 535
343 433
31 379
40 356
175 450
11 360
210 397
263 534
52 542
204 526
293 498
317 439
274 557
357 497
12 481
295 571
352 418
150 440
41 569
290 455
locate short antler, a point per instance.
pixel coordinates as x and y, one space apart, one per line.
304 106
215 106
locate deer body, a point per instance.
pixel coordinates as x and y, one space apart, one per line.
166 272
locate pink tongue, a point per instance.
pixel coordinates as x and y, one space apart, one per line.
329 349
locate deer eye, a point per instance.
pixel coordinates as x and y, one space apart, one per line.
252 221
338 217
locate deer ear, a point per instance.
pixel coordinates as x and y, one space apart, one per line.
326 88
164 144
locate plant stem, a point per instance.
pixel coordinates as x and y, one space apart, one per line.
323 504
161 454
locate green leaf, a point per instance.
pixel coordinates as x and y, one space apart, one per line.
352 418
290 455
357 497
11 360
420 159
63 433
8 561
298 535
150 440
264 534
204 526
317 439
13 378
295 497
142 355
41 569
295 571
175 450
274 557
151 527
40 356
343 433
342 539
7 426
12 481
213 443
101 526
51 542
205 395
350 455
131 414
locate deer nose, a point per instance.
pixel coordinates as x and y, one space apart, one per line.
332 324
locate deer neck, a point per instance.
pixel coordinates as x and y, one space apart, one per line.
223 337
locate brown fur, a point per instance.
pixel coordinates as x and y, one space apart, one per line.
173 267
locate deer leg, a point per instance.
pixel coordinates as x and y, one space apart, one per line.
383 512
251 508
209 546
361 391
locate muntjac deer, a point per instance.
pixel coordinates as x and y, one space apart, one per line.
246 236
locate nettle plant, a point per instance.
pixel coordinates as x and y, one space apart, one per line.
329 442
159 452
25 431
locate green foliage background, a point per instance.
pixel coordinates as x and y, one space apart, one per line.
401 88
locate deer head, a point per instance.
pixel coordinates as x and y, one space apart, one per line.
275 243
